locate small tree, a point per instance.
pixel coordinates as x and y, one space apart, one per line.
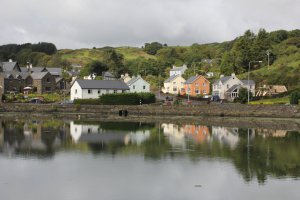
294 98
243 96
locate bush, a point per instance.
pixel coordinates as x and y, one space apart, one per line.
127 98
87 101
294 98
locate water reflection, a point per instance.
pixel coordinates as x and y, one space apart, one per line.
255 153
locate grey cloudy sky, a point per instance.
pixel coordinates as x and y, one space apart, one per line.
88 23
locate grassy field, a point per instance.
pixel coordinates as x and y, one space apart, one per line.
283 100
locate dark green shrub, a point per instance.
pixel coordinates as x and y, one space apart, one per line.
127 99
87 101
294 98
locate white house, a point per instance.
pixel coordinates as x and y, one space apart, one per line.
178 70
92 89
173 85
227 87
138 84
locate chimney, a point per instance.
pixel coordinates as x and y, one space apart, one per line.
221 76
10 60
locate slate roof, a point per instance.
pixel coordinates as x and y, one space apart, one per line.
102 84
223 79
245 82
38 75
233 88
191 79
107 74
8 66
171 78
133 80
55 71
177 69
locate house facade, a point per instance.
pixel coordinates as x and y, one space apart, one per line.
173 85
92 89
138 84
196 85
227 87
178 70
41 79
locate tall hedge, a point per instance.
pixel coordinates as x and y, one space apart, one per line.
127 98
294 98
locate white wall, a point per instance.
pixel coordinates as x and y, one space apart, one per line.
84 93
76 91
138 86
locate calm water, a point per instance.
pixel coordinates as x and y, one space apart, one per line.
48 159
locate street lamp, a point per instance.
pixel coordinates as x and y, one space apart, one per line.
255 61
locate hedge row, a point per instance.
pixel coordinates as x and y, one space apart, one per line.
127 99
87 101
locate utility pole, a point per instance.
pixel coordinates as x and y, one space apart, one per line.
268 54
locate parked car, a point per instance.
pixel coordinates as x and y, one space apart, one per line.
215 98
36 100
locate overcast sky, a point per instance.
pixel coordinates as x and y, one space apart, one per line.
89 23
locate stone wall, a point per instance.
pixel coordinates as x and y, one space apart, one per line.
223 110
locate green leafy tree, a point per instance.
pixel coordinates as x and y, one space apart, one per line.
96 67
243 96
152 48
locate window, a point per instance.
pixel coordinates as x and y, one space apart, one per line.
75 91
107 91
48 80
204 84
174 83
48 89
89 91
115 91
144 87
174 89
204 91
227 86
197 91
197 84
99 91
133 87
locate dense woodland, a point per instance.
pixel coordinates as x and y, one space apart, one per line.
279 50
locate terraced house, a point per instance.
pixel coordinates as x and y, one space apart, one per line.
40 79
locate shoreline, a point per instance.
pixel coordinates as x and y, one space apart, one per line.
211 110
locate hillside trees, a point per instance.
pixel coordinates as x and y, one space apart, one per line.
152 48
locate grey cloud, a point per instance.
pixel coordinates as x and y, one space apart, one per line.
87 23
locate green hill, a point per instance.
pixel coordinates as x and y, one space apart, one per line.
154 59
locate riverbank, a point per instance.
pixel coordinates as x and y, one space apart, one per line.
204 110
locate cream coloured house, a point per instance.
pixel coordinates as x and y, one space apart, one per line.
173 85
227 87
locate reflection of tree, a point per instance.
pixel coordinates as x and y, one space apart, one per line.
156 146
111 147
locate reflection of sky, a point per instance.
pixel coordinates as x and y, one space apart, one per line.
71 176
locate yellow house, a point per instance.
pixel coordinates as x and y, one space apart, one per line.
173 85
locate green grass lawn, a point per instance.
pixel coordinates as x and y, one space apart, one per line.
282 100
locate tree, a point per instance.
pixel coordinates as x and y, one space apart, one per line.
294 98
152 48
243 96
96 67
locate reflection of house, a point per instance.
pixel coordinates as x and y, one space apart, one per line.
178 70
227 136
92 89
94 134
271 133
173 85
197 132
138 84
196 85
175 134
269 90
227 87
